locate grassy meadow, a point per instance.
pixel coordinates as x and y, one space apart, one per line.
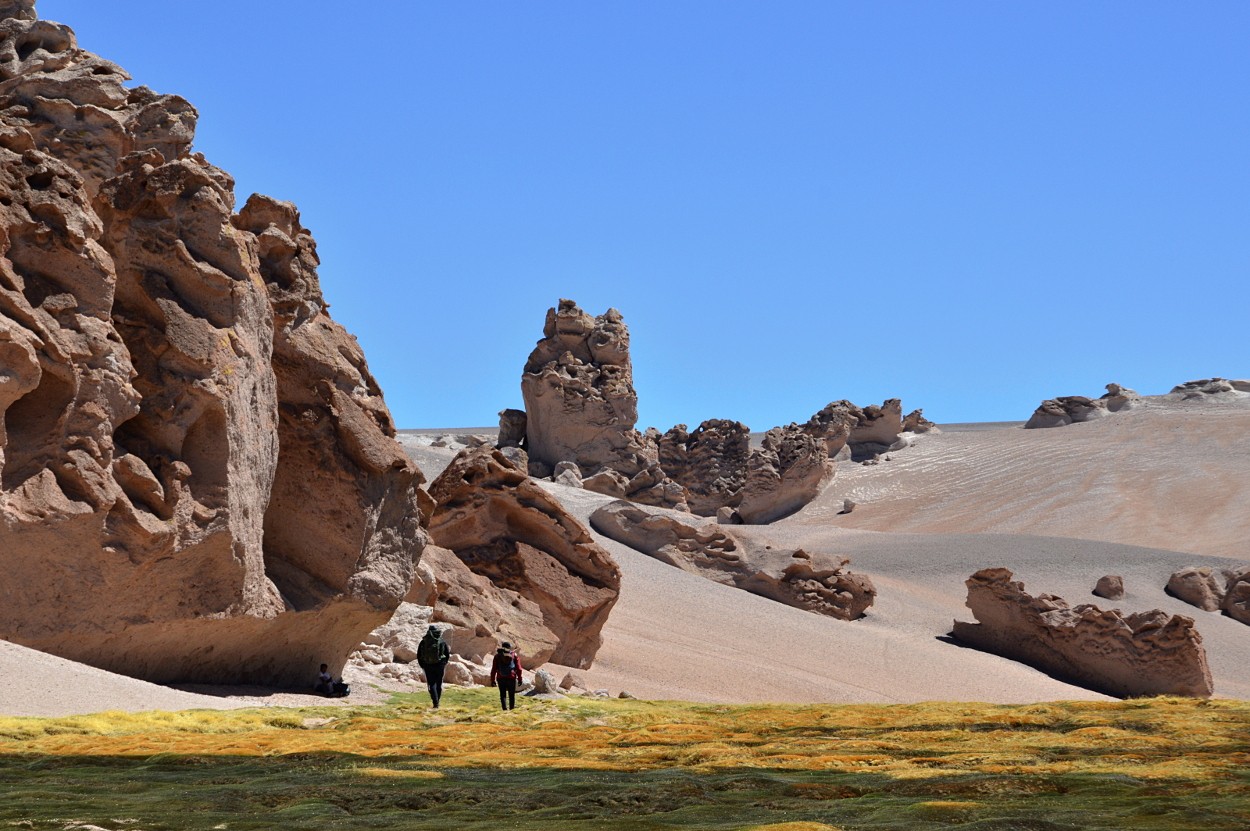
1164 763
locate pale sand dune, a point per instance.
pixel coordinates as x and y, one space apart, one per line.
1174 477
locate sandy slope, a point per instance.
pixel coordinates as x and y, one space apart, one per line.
1139 494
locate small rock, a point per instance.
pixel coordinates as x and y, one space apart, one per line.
1110 586
573 680
624 694
848 505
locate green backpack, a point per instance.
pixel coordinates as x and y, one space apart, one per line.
429 651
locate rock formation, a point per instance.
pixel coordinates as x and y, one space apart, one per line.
915 422
506 528
790 470
878 428
1110 586
813 581
1072 409
1147 653
710 463
1218 388
199 479
1214 590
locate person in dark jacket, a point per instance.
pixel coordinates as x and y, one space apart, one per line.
506 669
433 653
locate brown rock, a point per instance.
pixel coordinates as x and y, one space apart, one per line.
150 347
506 528
1148 653
834 423
511 428
878 425
1110 586
1237 596
710 463
813 581
915 422
791 469
1120 398
1057 412
579 394
607 482
1205 387
1202 587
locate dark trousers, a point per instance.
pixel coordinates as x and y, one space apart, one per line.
434 680
507 693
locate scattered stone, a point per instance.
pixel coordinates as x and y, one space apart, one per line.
813 581
573 681
567 474
517 456
1110 586
545 684
511 429
1147 653
607 482
848 505
624 694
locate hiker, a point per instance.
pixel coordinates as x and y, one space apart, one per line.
506 668
325 681
433 655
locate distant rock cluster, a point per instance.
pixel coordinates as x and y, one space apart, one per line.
814 581
1214 590
1073 409
1147 653
578 428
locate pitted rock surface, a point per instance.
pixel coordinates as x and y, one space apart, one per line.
506 528
710 463
1147 653
790 470
814 581
160 377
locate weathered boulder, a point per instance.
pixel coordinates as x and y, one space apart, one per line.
1147 653
1120 398
160 378
1110 586
511 428
1237 596
790 470
607 482
915 422
1203 587
1058 412
506 528
580 403
834 423
813 581
710 463
878 427
1218 388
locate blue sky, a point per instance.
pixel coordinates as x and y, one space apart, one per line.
970 206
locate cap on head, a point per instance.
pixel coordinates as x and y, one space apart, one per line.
505 645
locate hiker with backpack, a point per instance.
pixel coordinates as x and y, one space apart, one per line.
506 669
433 655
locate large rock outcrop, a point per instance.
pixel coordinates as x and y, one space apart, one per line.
814 581
1212 388
1147 653
1074 409
198 478
709 462
790 470
506 528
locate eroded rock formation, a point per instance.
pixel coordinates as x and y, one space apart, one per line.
710 463
790 470
1214 590
198 480
814 581
1147 653
1073 409
506 528
1218 388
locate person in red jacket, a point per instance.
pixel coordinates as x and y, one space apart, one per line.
506 669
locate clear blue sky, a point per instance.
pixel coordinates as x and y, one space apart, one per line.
971 206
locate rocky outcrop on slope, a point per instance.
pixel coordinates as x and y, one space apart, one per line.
1211 388
197 473
915 422
790 470
506 528
1147 653
814 581
1073 409
710 463
1214 590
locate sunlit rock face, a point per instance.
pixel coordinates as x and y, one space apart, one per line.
1146 653
198 480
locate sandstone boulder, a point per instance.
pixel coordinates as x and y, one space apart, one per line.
791 469
1203 587
181 418
1057 412
834 423
915 422
511 428
1237 596
1147 653
877 429
580 403
506 528
1110 586
607 482
813 581
1120 398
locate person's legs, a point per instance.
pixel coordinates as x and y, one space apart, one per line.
503 693
436 683
509 686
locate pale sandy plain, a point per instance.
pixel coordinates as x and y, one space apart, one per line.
1139 494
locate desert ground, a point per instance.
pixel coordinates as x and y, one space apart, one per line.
1139 494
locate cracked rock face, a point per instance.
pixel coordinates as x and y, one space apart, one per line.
198 479
814 581
1147 653
506 528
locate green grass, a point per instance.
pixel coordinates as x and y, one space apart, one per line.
1168 764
